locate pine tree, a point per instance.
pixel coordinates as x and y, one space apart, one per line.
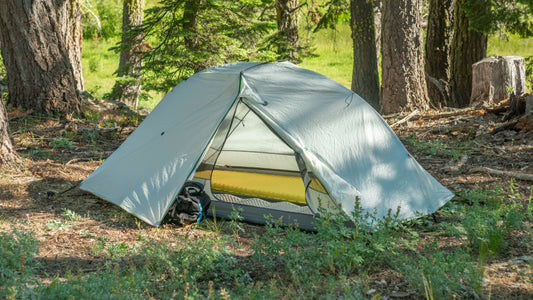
36 55
365 78
128 86
188 36
403 83
468 47
438 46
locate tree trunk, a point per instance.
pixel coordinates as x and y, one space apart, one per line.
128 86
438 44
8 156
494 78
365 78
403 85
378 7
468 47
70 13
36 57
190 14
287 20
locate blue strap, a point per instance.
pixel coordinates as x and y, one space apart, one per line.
200 217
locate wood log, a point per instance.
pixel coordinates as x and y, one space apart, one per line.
517 175
409 116
495 77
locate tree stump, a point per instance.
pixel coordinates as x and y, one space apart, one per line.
494 78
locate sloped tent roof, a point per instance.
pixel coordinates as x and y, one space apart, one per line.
342 139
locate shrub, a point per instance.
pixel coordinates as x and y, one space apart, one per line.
190 267
111 283
491 219
17 262
61 142
441 274
337 251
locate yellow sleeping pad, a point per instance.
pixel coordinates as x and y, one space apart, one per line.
279 187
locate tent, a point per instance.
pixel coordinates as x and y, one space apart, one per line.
266 139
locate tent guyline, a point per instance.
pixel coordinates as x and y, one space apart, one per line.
267 139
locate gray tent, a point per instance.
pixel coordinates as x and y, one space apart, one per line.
272 139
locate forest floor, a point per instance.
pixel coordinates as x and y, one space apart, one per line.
461 148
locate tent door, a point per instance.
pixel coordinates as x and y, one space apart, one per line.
248 166
316 194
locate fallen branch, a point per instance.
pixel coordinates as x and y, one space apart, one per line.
407 118
442 86
517 175
92 129
450 113
75 160
92 158
505 126
91 153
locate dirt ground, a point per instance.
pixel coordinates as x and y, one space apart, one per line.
462 149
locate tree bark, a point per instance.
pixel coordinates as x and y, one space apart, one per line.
365 78
70 13
438 44
190 39
287 20
8 155
128 88
403 84
378 7
468 47
36 56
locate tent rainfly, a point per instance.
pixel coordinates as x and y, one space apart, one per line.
267 139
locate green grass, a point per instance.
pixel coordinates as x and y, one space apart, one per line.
510 45
99 65
334 54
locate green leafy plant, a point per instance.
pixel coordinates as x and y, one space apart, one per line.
102 18
95 64
189 36
433 147
111 249
338 249
111 283
61 142
69 215
440 274
17 262
88 234
214 224
54 224
491 219
190 263
509 90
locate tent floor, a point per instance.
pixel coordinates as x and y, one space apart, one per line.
257 210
